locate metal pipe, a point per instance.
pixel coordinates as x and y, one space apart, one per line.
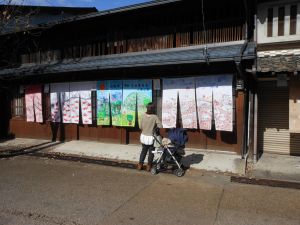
242 75
255 110
255 129
247 17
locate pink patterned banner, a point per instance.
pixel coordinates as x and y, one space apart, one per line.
38 106
29 105
33 101
74 101
223 102
185 89
204 93
187 102
86 107
65 105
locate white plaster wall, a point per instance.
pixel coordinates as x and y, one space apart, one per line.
262 15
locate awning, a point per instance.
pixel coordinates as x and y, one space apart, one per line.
184 55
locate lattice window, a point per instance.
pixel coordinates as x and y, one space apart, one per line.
18 106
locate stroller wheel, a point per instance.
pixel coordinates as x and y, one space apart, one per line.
154 170
158 166
179 172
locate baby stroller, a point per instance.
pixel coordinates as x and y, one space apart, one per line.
170 152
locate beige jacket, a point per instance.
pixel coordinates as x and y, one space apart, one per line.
148 123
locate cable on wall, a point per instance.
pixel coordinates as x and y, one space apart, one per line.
205 51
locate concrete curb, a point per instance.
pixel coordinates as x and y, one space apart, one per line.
91 160
266 182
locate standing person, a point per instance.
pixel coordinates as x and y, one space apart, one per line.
149 122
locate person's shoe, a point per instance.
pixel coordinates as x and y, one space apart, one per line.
139 166
148 167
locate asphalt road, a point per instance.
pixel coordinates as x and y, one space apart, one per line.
43 191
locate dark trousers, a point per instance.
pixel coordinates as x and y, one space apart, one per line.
145 149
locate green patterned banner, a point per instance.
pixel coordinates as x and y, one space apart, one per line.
129 103
103 112
116 102
144 97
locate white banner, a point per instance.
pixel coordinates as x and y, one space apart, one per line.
86 100
88 85
69 95
169 103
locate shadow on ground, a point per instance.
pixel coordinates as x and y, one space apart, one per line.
189 160
12 151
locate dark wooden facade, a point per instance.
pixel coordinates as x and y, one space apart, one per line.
175 25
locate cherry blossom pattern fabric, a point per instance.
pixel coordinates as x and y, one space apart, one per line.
33 102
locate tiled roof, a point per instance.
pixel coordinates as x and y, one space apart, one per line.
287 60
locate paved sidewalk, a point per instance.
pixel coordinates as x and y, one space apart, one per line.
216 161
277 167
196 159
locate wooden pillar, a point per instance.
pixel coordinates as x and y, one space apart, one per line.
4 113
240 121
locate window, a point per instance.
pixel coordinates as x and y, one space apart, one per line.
281 21
18 105
270 22
293 19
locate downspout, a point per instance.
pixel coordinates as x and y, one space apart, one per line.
238 61
255 95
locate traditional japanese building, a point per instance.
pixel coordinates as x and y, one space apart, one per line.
277 122
190 55
18 24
